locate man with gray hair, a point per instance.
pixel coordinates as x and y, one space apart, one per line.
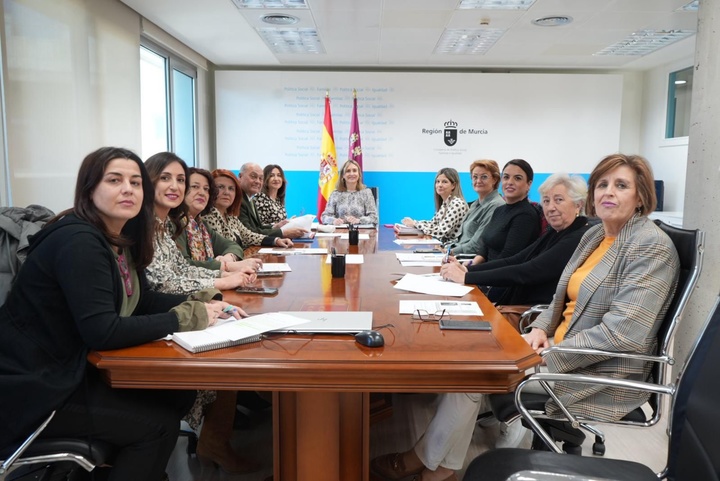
251 182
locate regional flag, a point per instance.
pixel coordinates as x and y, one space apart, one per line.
355 152
328 161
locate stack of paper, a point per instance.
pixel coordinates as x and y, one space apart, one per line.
405 230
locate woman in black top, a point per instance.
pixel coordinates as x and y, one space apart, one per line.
81 288
514 225
532 274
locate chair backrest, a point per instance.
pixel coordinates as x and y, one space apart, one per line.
694 451
376 195
689 246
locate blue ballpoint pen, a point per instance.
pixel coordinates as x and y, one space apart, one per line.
447 256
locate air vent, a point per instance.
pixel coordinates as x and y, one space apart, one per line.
279 19
552 21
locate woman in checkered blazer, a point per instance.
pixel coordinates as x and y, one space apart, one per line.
614 291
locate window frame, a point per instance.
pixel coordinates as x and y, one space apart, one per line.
671 117
174 62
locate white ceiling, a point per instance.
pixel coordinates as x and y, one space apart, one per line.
386 34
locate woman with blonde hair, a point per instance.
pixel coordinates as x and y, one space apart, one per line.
450 208
351 202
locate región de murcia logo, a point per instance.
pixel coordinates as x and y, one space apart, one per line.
450 133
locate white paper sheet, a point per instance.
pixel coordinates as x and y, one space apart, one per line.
349 259
454 308
290 252
413 241
275 267
419 260
302 221
360 236
430 285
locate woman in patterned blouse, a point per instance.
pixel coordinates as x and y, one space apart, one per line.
223 217
270 202
198 242
169 271
450 208
351 202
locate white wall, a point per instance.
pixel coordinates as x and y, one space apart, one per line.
72 84
549 119
668 157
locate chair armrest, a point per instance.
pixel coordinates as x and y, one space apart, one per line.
550 351
526 317
28 441
544 378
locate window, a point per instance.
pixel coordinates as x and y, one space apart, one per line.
167 95
679 100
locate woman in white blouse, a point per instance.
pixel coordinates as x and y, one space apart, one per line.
450 208
351 202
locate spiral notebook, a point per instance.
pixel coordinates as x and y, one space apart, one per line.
234 332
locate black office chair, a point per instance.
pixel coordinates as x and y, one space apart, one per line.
41 458
694 446
689 245
376 196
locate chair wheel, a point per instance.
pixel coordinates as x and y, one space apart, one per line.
599 449
572 449
191 445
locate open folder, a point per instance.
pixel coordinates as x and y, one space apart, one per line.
234 332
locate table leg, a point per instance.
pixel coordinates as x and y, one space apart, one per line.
321 436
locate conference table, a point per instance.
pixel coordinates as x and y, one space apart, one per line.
321 383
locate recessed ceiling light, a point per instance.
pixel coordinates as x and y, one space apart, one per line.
279 19
690 7
552 21
465 41
292 40
496 4
270 4
645 42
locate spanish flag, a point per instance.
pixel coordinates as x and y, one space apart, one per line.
328 161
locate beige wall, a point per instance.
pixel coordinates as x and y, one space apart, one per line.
72 84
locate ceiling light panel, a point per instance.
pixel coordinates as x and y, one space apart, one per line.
464 41
495 4
644 42
267 4
292 40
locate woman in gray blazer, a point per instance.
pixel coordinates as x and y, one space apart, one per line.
614 291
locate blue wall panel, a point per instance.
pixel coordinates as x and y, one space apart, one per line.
402 194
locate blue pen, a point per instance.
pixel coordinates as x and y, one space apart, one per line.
447 256
229 309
